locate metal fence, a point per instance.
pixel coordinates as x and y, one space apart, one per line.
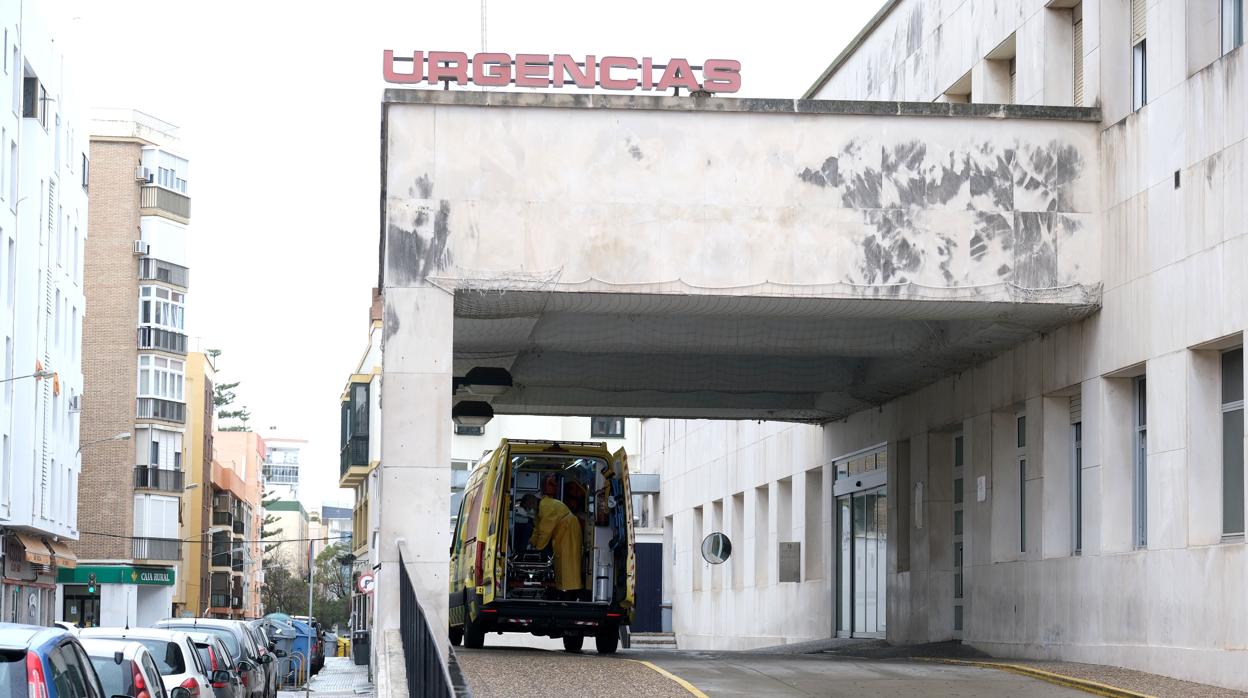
158 478
156 549
427 674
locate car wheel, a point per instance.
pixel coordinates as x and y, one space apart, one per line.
607 641
457 636
474 635
573 643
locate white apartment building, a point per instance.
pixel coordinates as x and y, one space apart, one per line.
1080 496
281 467
43 226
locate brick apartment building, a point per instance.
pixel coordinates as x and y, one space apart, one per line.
134 347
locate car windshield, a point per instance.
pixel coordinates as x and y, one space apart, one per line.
116 678
227 637
12 674
167 655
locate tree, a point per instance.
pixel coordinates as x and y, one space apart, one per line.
283 592
332 586
223 396
267 529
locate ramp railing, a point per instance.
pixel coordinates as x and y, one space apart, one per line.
427 672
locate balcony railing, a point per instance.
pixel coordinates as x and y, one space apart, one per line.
354 452
166 340
239 527
152 269
222 518
219 600
220 557
158 478
156 549
165 410
174 203
237 564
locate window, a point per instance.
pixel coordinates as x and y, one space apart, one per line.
13 176
1233 442
1077 41
1076 486
155 516
158 448
1139 55
606 428
86 171
696 528
162 307
1139 488
1020 439
4 138
160 377
1013 95
35 101
1232 21
467 430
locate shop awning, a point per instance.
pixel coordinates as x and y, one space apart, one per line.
36 552
62 554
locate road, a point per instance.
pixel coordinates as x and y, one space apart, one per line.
522 666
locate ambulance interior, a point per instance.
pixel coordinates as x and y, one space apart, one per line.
594 495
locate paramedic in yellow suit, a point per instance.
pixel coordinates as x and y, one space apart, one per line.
558 527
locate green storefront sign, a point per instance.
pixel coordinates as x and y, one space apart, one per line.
116 574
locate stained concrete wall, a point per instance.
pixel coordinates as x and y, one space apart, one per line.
635 190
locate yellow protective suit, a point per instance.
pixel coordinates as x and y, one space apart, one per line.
556 525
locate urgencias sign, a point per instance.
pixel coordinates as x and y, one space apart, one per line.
545 70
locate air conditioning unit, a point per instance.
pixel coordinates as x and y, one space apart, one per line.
143 174
75 404
141 248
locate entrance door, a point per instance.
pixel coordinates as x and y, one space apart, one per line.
647 616
862 580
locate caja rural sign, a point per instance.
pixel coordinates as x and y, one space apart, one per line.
558 70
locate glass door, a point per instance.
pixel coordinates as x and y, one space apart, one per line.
862 582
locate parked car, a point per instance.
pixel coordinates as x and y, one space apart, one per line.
216 657
174 654
51 662
271 664
237 642
126 668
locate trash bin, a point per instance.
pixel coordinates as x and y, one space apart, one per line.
344 647
359 647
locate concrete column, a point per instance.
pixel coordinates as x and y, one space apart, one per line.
413 484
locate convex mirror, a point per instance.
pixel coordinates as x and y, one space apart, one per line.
716 548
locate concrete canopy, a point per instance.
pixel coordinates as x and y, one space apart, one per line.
717 258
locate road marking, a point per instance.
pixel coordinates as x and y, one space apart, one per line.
1086 685
683 683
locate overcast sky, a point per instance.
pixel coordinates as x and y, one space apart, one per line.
278 104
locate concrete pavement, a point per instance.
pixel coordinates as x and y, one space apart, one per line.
340 678
522 665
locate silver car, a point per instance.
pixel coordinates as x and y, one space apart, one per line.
172 651
213 653
126 668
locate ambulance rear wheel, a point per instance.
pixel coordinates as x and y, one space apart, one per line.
607 641
573 643
457 636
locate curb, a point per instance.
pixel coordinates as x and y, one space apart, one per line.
693 690
1088 686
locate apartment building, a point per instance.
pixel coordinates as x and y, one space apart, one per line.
193 579
1080 496
236 562
135 348
281 466
43 226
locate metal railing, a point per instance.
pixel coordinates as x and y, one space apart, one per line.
152 269
353 452
222 518
165 340
167 200
156 549
158 478
240 526
427 673
219 600
166 410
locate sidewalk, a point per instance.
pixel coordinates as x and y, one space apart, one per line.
340 678
1119 682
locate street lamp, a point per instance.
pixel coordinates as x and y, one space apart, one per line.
40 375
123 436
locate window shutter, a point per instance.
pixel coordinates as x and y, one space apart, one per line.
1138 26
1078 62
1013 82
1076 409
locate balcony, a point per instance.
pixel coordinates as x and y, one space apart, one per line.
165 340
236 563
152 269
239 527
236 602
165 549
163 410
219 600
222 518
157 200
158 479
354 457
